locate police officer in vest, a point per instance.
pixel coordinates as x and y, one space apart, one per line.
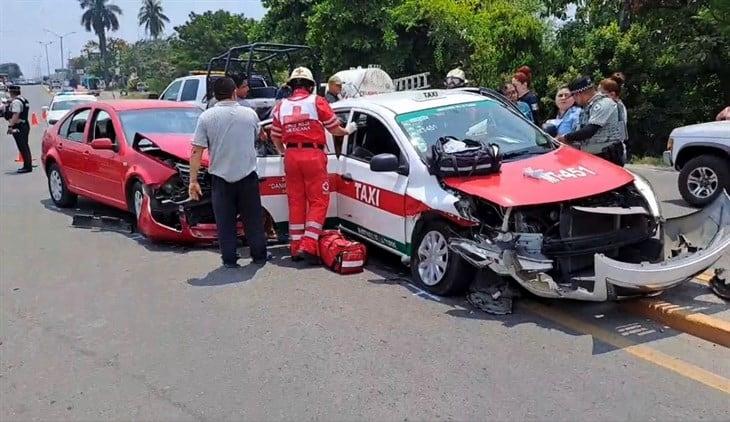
18 126
599 129
298 129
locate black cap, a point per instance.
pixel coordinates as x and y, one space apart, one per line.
14 88
580 84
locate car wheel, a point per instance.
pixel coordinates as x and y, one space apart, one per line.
135 197
703 178
60 195
436 268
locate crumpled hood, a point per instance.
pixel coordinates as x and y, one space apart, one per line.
561 175
178 145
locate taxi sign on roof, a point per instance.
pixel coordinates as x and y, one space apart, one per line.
426 95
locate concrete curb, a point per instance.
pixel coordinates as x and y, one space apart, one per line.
679 318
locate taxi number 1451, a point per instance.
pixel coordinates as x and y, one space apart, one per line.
558 176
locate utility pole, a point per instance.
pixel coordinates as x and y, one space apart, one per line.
48 62
63 66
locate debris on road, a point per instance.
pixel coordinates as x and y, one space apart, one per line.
90 221
720 284
491 293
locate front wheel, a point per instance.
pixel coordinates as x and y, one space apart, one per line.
60 195
703 179
434 267
135 197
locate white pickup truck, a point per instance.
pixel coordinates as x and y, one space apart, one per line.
701 153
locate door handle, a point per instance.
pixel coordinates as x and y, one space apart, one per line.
347 177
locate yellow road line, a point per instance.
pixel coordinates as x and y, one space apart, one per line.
641 351
682 318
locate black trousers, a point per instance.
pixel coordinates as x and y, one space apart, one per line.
21 141
231 200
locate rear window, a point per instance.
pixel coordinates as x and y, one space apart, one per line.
67 104
190 90
159 120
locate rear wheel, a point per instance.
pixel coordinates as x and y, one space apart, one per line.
60 195
703 179
434 267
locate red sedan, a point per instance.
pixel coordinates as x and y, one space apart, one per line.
108 151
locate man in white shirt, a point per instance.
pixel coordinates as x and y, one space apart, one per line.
229 131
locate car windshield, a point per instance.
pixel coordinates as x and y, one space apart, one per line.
486 121
159 120
67 104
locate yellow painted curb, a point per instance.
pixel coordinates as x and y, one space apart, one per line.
704 278
699 325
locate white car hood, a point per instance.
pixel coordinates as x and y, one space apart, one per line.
56 115
714 130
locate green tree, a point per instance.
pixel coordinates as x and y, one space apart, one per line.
12 69
99 16
207 35
151 17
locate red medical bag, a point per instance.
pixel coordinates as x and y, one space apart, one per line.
341 255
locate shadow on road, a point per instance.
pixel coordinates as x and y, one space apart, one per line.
584 318
681 203
222 276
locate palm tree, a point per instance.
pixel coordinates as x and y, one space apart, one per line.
99 17
151 16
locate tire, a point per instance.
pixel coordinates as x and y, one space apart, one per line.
455 273
57 189
134 198
703 178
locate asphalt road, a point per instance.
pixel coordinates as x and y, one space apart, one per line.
99 325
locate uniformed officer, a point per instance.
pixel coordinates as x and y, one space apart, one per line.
599 130
19 127
298 126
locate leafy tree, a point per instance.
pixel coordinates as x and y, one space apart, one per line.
286 20
12 69
207 35
151 17
99 16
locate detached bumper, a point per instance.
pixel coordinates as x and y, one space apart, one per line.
186 234
692 243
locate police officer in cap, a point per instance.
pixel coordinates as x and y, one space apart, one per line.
17 115
599 130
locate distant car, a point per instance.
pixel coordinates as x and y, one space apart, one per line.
188 89
701 153
89 152
141 87
62 103
56 85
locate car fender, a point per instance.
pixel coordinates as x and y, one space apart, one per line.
722 149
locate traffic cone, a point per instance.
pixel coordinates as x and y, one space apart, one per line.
34 120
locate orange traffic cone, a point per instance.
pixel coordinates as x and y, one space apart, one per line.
34 120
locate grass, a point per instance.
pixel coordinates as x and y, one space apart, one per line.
648 160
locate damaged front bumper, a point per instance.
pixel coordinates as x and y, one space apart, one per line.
691 244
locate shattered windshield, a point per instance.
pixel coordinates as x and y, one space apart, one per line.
485 121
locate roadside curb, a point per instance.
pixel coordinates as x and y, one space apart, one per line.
682 319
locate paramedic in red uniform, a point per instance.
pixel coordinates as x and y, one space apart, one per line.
298 130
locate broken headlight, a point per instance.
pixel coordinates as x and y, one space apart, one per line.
644 187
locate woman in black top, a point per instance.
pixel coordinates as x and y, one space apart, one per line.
521 81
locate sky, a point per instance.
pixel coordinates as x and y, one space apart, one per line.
23 24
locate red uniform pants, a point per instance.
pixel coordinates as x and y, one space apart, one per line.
308 194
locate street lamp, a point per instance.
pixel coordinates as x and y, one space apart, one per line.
61 38
48 63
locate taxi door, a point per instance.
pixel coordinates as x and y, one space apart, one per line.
372 204
272 183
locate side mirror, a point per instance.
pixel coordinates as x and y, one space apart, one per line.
102 143
384 163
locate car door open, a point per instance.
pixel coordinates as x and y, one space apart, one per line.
105 168
373 181
72 149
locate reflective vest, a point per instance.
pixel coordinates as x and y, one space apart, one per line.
299 119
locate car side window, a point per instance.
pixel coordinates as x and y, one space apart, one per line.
337 140
265 147
172 91
104 127
190 90
371 138
73 128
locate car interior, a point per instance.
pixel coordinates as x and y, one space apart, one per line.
73 128
372 138
104 127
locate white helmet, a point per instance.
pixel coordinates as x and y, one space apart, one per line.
301 73
455 78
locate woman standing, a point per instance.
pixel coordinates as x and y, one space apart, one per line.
566 120
612 88
509 91
521 81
